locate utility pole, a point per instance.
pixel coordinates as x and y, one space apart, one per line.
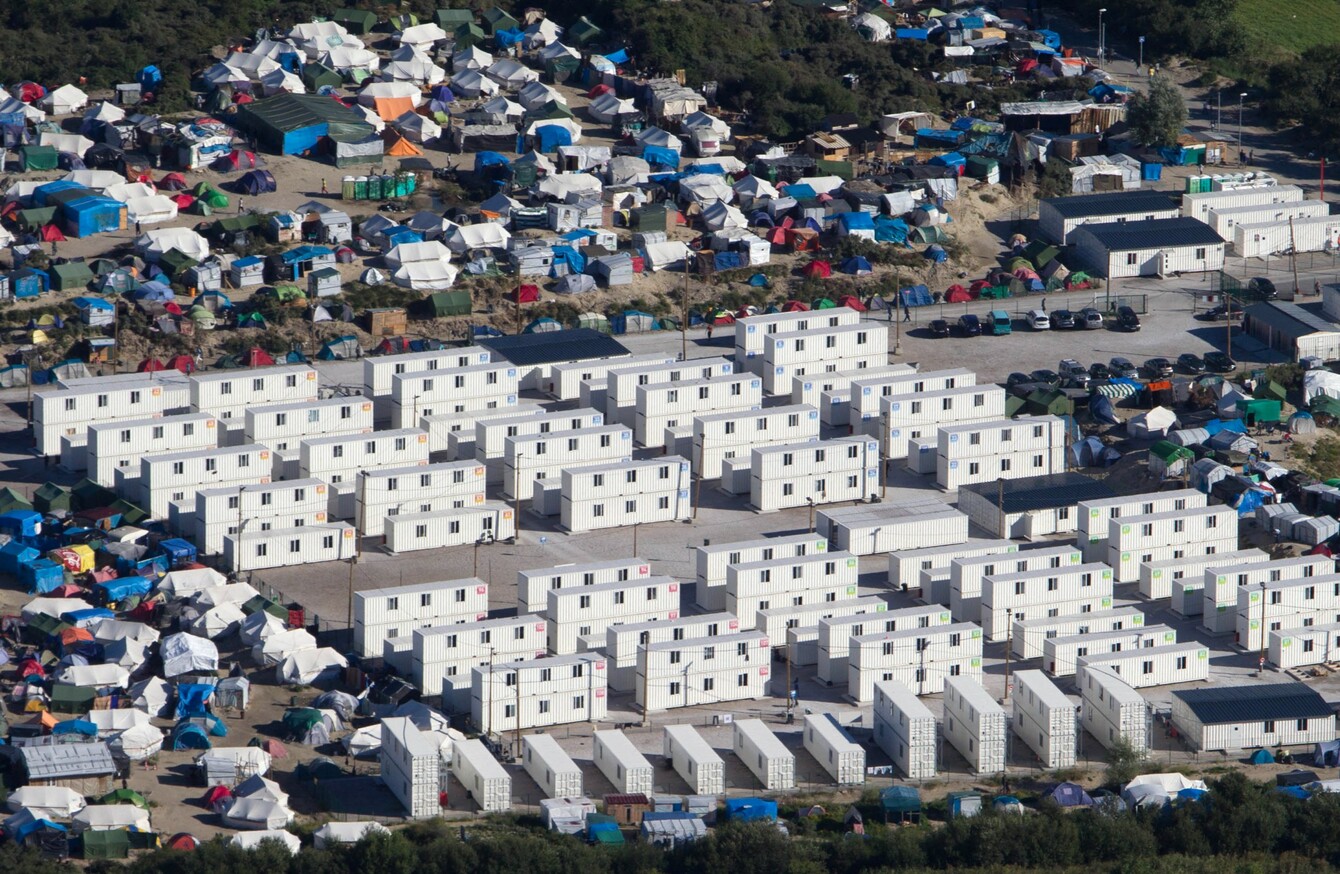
1293 257
645 660
1009 645
684 316
1261 664
636 525
1000 508
517 735
516 488
789 699
488 696
353 560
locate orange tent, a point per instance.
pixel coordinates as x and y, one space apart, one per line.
391 108
71 636
397 146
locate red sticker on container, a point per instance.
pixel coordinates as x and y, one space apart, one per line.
481 590
735 623
600 693
674 587
762 672
763 643
600 666
539 626
674 614
644 570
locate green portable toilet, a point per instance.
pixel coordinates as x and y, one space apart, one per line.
361 188
39 157
374 187
347 188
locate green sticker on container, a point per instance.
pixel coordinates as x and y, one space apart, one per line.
1203 654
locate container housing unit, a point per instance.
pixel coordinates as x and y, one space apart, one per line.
1183 579
68 412
1198 205
485 522
906 565
622 763
1225 219
711 671
799 474
264 507
869 391
810 579
119 446
623 642
893 526
1219 606
844 347
1093 517
712 561
289 547
1256 716
830 392
1070 591
1302 647
979 452
581 612
410 765
491 433
454 390
754 334
386 493
966 574
395 612
833 646
228 394
1284 606
565 380
1153 666
283 426
172 477
1259 240
1045 720
617 494
380 370
340 457
486 781
660 406
622 383
1111 710
528 459
719 436
1061 655
975 725
550 767
548 691
834 749
906 730
694 760
1136 540
1028 639
922 659
454 433
448 651
776 621
533 585
905 417
763 754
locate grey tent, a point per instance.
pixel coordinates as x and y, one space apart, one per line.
612 270
1302 423
575 283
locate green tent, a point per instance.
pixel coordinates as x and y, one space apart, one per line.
1014 405
49 498
130 514
40 627
289 293
551 110
594 321
1271 390
87 495
39 157
1040 253
450 19
72 699
212 196
1326 406
1260 410
106 844
261 603
582 32
356 21
252 319
1050 403
469 34
822 303
316 76
31 219
176 262
450 303
841 169
235 224
12 500
496 19
125 796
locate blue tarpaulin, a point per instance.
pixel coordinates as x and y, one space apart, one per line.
396 236
917 33
1049 38
75 726
14 554
191 698
619 57
1249 500
41 576
1214 426
489 159
178 550
550 136
856 221
800 191
936 253
750 809
915 296
510 37
656 155
726 260
575 261
123 587
890 230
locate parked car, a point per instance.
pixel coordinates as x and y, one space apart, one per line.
1000 323
1099 370
1090 318
1073 373
969 325
1049 378
1222 312
1159 367
1017 378
1219 362
1038 321
1123 368
1190 363
1062 319
1127 319
939 328
1261 288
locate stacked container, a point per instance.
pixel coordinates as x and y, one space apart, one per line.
763 754
1044 718
1061 655
694 760
1184 578
796 353
482 522
622 383
1093 517
905 566
975 725
624 641
713 561
811 579
1112 710
532 586
1222 583
380 370
1070 591
868 392
907 417
905 730
418 488
835 634
659 406
802 474
1285 605
966 574
457 389
1136 540
1028 638
753 334
719 436
922 659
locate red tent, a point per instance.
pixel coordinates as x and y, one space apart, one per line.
184 363
958 294
392 346
31 667
184 201
1026 66
217 794
243 98
238 159
173 307
599 90
795 306
776 236
10 208
745 312
976 288
182 841
817 270
173 182
29 91
50 234
851 302
273 747
257 357
526 293
150 365
722 317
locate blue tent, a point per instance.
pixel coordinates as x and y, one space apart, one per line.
41 194
443 94
255 182
93 215
1262 757
936 253
396 236
154 290
1100 407
656 155
122 588
575 261
890 230
619 57
20 523
915 296
191 698
1294 792
856 265
75 726
41 576
179 551
484 160
14 554
727 261
189 736
1069 795
758 280
550 136
37 825
149 78
750 809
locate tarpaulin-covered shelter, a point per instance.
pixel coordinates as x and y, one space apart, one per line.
294 123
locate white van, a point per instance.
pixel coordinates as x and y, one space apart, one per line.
1038 320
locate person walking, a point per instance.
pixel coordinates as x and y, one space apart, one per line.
1316 287
324 190
907 313
240 201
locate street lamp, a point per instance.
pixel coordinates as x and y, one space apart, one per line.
1141 66
1240 97
810 501
484 540
1101 39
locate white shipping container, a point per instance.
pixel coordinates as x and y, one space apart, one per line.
834 750
288 547
735 476
1044 719
1285 605
1220 605
893 527
1093 518
669 405
514 696
835 635
1315 234
827 472
621 384
796 353
834 407
763 754
442 652
340 457
380 370
419 488
486 781
720 436
113 446
868 392
966 574
410 765
395 612
1007 598
752 334
169 477
587 610
906 565
622 642
694 760
1198 205
532 586
565 380
622 763
1061 655
527 458
554 770
1153 666
1134 540
1028 638
712 561
922 659
491 433
776 621
228 394
486 522
284 426
454 433
810 579
68 411
443 391
710 671
978 452
598 496
921 455
1301 647
906 731
595 394
1112 710
1225 220
802 647
904 417
975 725
262 507
1183 579
810 389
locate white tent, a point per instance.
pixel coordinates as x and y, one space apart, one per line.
1171 782
278 80
872 27
218 621
705 189
542 33
664 256
252 840
473 83
374 91
413 253
626 170
255 67
333 833
10 105
245 760
48 802
416 71
125 192
1320 382
184 584
345 60
720 215
151 210
229 593
417 128
111 722
126 652
511 74
188 654
105 111
701 120
607 106
261 789
152 244
363 741
429 225
408 53
421 35
95 676
425 276
138 742
485 235
473 58
1153 425
754 187
661 139
151 695
111 817
259 626
275 49
373 276
543 163
557 50
317 36
1227 405
221 75
64 101
573 128
305 667
98 180
109 630
52 607
561 186
278 647
257 813
537 94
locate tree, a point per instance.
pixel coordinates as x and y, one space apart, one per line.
1156 118
1123 762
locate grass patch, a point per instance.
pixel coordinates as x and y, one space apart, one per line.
1289 28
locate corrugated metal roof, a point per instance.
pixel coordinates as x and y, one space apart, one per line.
1114 203
1290 318
1255 703
1153 234
1043 492
68 760
578 344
